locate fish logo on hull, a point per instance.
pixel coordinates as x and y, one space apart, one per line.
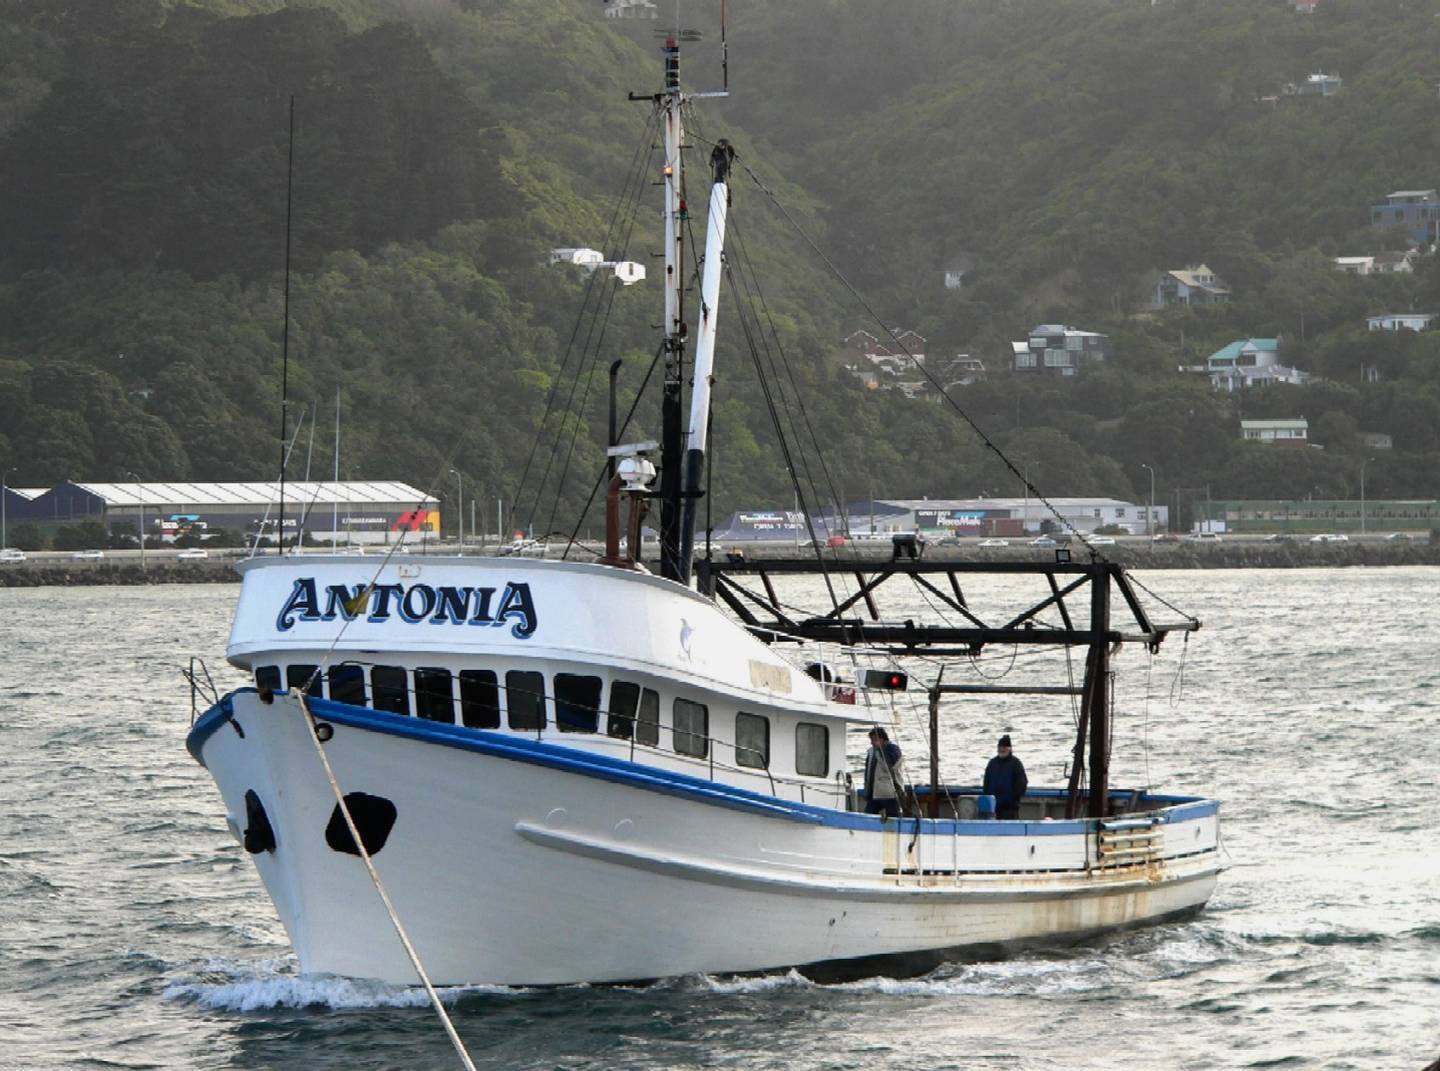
412 604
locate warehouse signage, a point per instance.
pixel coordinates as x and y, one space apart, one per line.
411 604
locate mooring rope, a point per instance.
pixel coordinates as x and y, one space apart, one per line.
380 887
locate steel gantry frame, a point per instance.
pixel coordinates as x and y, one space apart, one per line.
767 617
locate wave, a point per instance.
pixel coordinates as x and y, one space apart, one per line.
265 986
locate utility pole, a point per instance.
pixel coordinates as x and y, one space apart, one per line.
459 509
1362 493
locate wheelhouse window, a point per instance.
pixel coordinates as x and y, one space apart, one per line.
752 741
435 695
525 699
577 703
624 699
347 684
812 749
634 711
306 679
267 678
647 724
479 699
692 728
391 686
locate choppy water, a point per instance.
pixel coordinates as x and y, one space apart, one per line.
134 933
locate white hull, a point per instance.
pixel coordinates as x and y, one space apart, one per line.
521 863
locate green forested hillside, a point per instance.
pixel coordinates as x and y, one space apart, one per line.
1065 150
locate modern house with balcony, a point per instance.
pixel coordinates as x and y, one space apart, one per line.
1057 350
1416 211
1195 285
1249 362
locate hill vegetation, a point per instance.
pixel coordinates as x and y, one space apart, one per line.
1065 152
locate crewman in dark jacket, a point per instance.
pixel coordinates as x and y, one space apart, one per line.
1005 780
884 775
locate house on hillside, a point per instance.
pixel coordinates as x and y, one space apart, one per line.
1417 211
581 257
1250 362
631 9
888 365
961 370
1305 7
1058 350
1401 321
1315 85
1290 432
1390 263
1355 265
1376 440
1193 285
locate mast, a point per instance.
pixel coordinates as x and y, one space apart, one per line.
720 161
672 444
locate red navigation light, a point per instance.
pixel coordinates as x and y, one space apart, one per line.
889 680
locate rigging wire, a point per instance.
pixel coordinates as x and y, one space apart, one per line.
577 420
629 194
604 469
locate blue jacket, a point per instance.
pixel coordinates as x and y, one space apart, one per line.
1005 780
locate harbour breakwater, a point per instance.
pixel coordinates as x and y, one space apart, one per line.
1239 554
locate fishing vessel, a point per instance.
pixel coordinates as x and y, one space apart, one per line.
557 771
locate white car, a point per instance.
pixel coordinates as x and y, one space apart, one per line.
1203 537
525 547
1102 541
192 554
1393 537
11 556
993 543
1330 537
88 555
1042 541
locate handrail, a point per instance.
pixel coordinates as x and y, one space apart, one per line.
711 742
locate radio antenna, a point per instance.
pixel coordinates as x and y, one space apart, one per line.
285 331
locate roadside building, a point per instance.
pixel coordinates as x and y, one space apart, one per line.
349 512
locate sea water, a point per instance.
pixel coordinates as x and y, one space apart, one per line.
135 934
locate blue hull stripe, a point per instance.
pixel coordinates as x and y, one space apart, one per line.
625 772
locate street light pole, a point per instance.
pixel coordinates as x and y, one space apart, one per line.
460 507
4 494
1150 514
1362 493
140 484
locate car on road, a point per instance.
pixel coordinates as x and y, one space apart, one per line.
1165 537
993 543
191 554
1042 541
1393 537
1330 537
1278 537
524 546
1102 541
1203 537
88 555
11 556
